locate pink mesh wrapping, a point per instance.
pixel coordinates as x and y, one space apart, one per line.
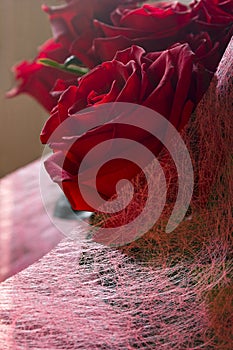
164 291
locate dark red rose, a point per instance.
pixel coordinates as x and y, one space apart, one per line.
153 26
157 26
95 30
36 79
208 51
225 5
164 18
212 16
72 24
165 81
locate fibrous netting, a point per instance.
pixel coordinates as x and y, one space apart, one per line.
163 291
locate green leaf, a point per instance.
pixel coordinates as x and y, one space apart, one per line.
63 67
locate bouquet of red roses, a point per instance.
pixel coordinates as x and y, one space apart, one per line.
110 70
158 55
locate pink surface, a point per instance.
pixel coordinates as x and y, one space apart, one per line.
26 232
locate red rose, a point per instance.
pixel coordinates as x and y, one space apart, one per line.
72 25
164 81
92 32
212 16
159 25
153 26
36 79
225 5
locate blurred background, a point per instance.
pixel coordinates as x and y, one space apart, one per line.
23 27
